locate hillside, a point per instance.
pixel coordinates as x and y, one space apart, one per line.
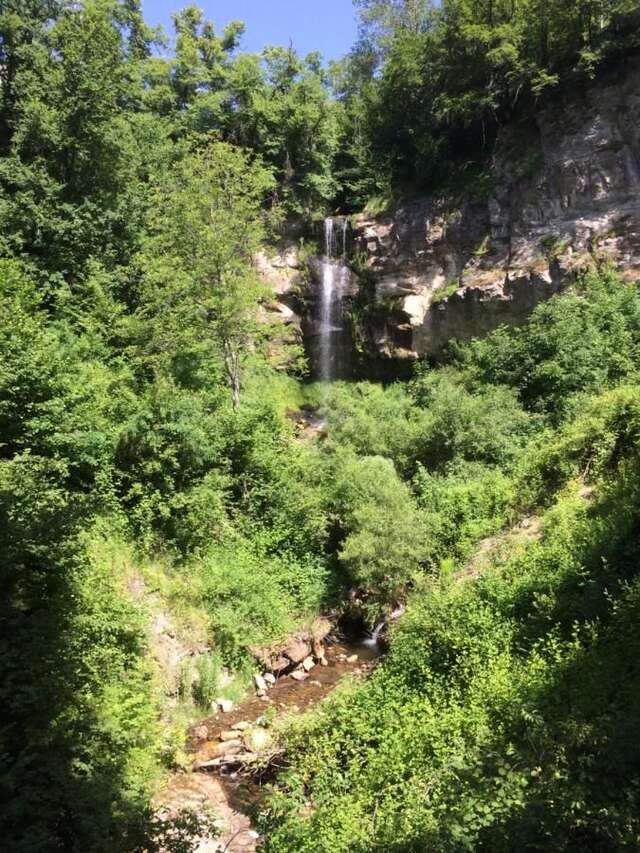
253 597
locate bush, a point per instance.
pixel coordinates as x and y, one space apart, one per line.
254 599
461 506
485 424
373 421
382 540
583 341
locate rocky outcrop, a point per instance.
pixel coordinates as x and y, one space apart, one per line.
281 272
565 197
300 647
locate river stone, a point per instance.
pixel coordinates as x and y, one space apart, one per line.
242 726
225 705
299 675
352 659
297 650
229 747
230 735
308 664
270 678
260 682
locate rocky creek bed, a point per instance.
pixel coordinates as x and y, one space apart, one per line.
231 748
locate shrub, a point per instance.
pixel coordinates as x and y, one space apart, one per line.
382 532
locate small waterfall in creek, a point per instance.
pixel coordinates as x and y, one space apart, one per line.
333 276
374 637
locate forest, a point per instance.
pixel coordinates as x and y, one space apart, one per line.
149 463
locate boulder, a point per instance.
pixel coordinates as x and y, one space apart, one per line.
229 747
225 705
227 736
270 678
308 664
260 682
297 650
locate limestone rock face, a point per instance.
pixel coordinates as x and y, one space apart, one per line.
280 271
564 198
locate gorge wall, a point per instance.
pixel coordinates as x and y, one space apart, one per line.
563 197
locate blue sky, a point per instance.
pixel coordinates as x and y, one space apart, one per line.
325 25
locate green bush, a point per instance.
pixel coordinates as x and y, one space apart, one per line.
583 341
254 599
485 424
382 540
373 421
461 506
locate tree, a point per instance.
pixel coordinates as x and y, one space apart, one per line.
206 226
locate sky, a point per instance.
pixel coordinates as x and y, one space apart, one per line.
325 25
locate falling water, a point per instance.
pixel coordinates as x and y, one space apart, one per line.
332 286
373 638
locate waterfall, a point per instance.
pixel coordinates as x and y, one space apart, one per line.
332 283
374 636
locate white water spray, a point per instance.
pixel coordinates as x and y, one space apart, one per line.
374 637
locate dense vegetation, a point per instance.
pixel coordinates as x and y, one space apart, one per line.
149 470
507 714
429 84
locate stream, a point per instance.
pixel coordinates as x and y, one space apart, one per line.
234 796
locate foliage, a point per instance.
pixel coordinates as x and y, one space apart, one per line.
582 341
255 599
382 540
506 714
428 85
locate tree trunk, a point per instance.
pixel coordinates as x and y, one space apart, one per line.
232 369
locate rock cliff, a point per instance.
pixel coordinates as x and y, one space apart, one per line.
565 198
